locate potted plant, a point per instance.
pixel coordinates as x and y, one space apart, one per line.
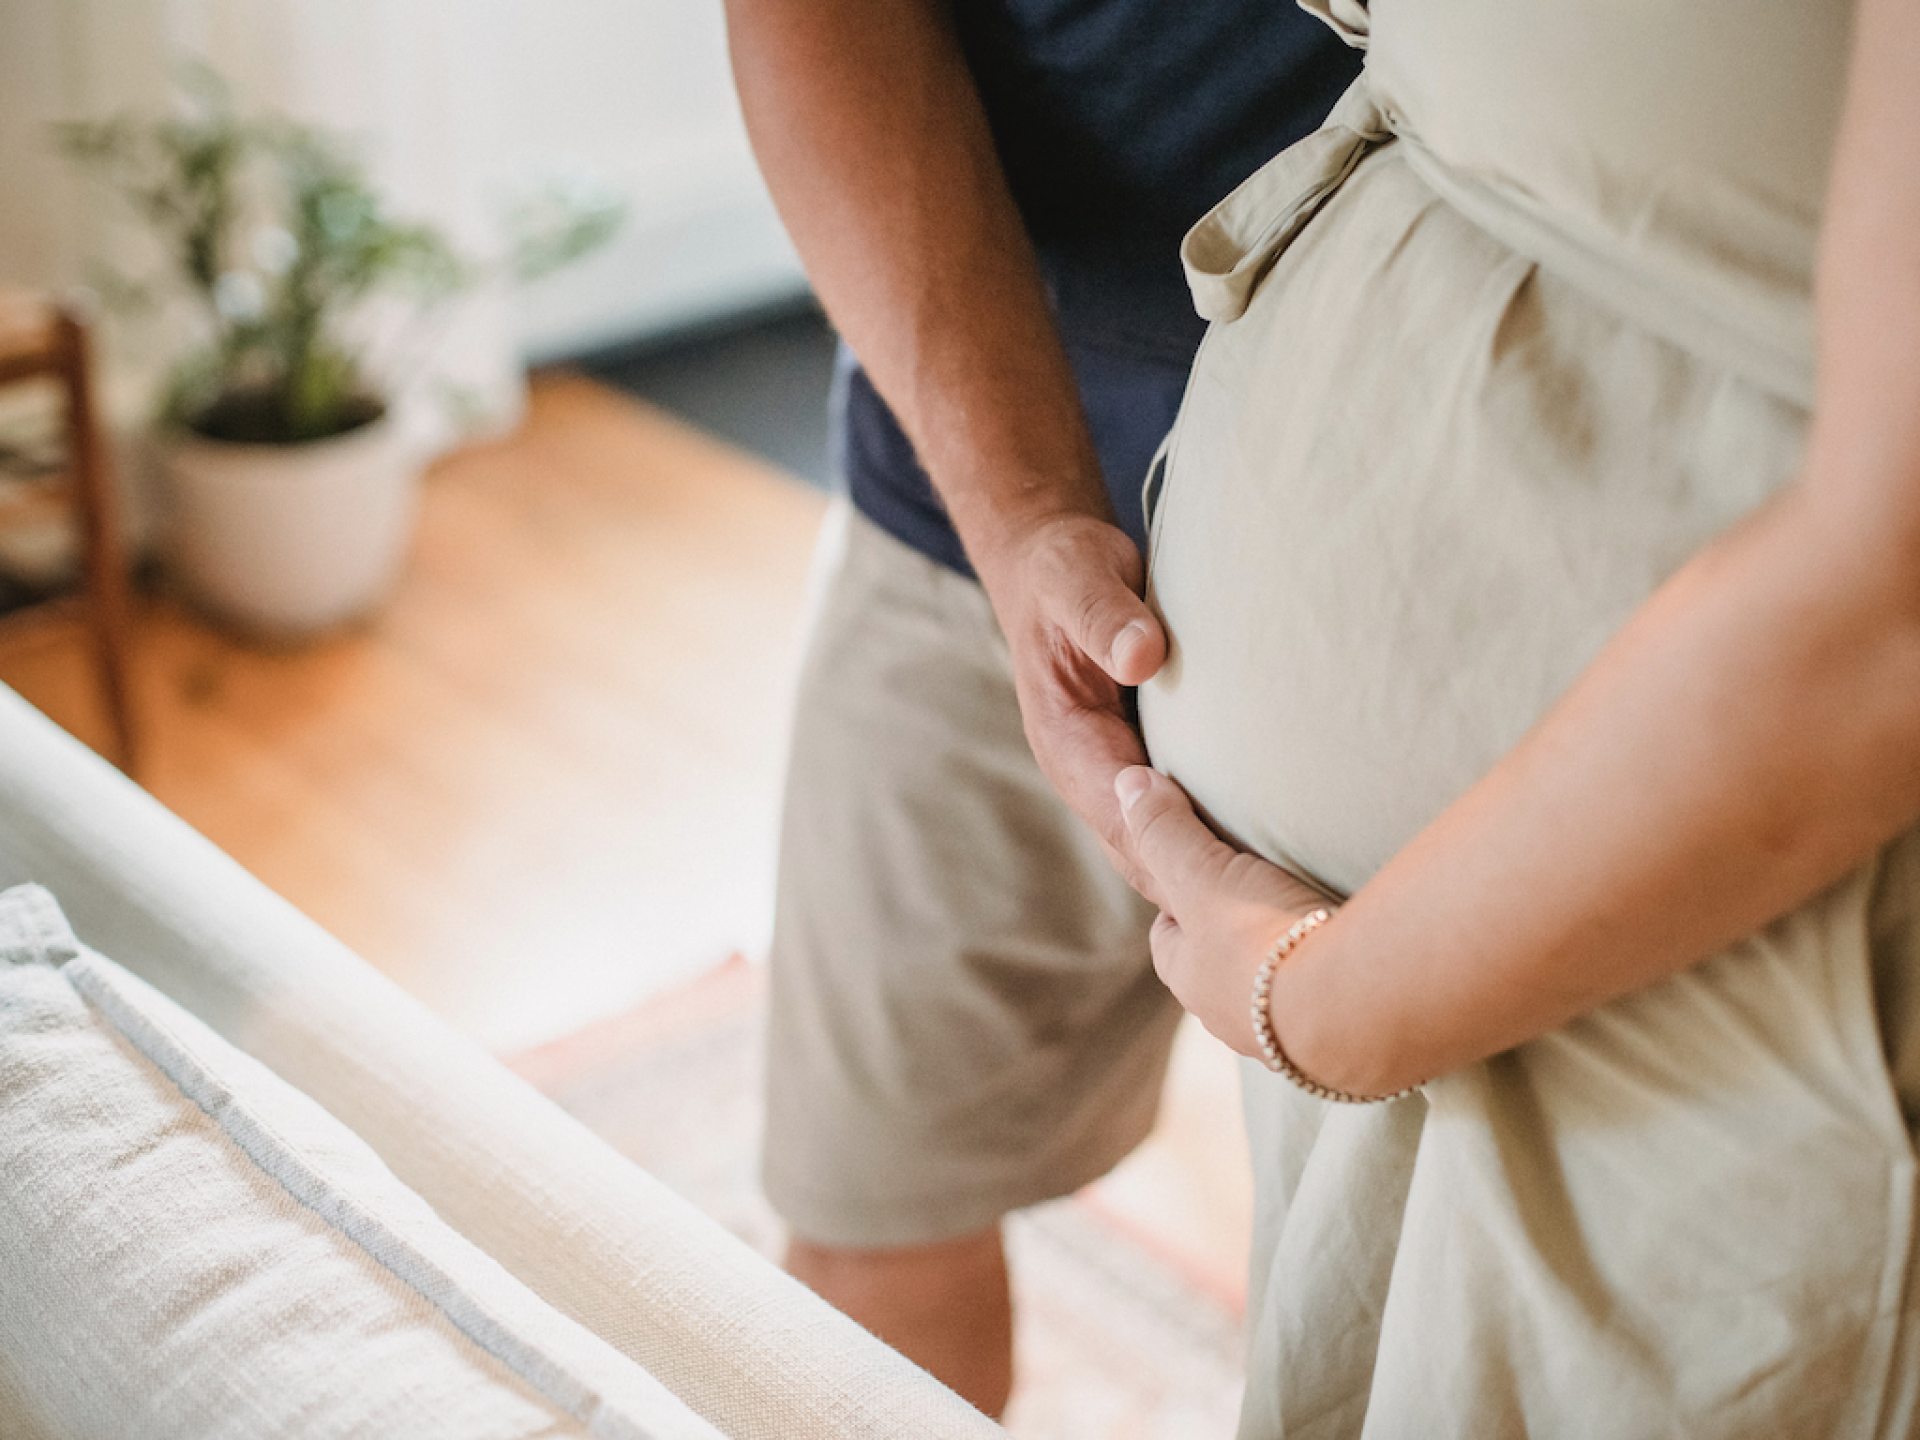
290 489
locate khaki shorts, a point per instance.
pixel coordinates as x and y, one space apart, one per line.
964 1017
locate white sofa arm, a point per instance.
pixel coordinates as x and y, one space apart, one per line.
595 1236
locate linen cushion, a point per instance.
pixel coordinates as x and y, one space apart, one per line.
590 1232
191 1247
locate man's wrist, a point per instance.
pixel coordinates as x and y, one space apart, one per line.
1007 513
1002 545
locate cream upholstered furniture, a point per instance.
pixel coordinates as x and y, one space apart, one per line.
250 1188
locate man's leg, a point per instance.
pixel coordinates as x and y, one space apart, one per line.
964 1015
946 1306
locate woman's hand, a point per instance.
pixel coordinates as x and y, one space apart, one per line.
1220 908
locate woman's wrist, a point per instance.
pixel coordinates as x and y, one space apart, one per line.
1264 1022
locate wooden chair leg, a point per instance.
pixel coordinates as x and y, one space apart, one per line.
105 559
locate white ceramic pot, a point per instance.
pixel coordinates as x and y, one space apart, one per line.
286 541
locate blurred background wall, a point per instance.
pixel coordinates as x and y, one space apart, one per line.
458 106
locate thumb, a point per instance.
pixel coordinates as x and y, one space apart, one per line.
1172 843
1137 650
1107 620
1123 635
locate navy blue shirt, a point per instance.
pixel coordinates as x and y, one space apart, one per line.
1119 124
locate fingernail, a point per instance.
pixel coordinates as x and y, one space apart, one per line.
1130 784
1128 640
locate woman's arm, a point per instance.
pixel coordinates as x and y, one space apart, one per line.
1752 734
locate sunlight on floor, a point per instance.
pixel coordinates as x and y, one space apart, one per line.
540 784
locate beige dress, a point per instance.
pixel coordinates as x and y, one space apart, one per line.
1525 325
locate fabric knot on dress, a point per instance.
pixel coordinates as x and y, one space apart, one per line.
1232 247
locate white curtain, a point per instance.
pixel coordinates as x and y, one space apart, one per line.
407 81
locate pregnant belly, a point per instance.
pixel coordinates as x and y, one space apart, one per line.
1411 493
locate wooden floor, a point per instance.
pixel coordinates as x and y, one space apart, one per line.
541 785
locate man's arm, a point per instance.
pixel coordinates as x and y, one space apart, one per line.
870 131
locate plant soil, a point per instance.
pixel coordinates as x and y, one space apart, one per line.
258 417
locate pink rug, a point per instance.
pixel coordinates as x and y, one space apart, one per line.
1116 1339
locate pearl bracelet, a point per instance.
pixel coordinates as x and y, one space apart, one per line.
1276 1058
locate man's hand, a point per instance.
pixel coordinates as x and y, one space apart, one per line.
1067 595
